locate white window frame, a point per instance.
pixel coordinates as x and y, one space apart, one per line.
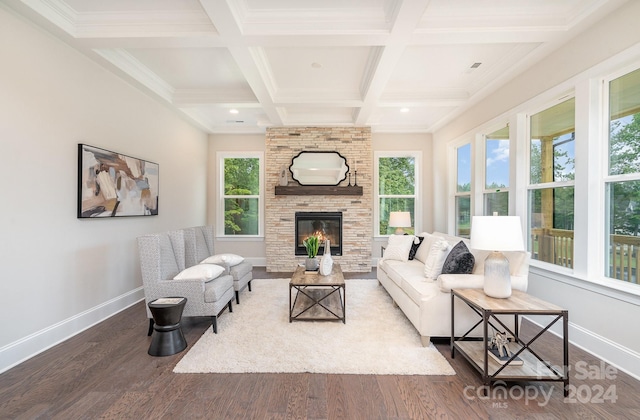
483 159
550 185
417 210
220 157
454 186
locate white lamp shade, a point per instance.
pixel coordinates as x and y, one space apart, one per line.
400 219
497 233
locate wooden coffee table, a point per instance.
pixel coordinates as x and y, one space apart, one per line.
317 297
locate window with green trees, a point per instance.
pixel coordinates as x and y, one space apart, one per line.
496 173
623 180
397 188
241 195
551 184
463 190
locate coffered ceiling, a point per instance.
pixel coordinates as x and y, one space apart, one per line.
394 65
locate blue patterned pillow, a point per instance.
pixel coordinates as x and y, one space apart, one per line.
459 260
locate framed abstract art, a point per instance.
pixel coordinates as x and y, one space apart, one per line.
111 184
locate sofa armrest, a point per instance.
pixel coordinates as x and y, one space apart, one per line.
446 282
191 289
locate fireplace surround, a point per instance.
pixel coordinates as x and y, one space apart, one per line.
325 225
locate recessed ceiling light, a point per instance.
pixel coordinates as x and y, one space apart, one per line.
233 111
404 109
316 65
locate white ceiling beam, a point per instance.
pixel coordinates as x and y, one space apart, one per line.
249 63
407 18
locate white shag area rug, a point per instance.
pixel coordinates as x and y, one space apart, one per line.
257 337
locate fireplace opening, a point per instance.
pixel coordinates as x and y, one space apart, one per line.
325 225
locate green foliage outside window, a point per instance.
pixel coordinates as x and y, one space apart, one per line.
397 179
241 191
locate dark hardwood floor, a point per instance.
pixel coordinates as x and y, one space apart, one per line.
105 372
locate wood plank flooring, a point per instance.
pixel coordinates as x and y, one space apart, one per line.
105 372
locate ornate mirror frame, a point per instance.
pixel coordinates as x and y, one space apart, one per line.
319 168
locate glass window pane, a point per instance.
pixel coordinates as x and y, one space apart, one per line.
463 216
623 230
396 175
624 124
387 205
497 159
241 216
551 229
464 168
241 176
497 202
552 144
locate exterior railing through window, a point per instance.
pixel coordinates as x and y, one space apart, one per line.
555 246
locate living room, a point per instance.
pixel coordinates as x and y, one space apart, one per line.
82 272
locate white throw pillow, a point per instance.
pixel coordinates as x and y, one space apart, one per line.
229 259
203 272
398 248
425 246
435 260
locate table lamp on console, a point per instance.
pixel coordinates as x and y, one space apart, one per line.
497 234
399 220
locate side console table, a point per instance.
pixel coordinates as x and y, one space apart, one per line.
530 366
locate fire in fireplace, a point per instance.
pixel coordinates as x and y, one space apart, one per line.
325 225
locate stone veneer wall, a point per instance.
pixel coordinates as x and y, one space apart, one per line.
354 143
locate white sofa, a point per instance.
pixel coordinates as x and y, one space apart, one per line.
427 303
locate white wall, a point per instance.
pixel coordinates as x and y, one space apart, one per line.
256 142
601 319
60 274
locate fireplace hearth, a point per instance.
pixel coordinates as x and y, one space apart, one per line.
325 225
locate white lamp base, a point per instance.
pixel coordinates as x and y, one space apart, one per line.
497 279
399 231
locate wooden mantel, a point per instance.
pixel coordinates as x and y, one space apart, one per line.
318 190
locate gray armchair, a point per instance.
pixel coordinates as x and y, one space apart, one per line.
199 245
162 257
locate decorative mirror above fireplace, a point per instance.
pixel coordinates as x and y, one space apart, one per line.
319 168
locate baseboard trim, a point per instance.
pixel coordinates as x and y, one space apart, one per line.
17 352
623 358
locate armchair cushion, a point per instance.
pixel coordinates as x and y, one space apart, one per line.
203 272
215 290
229 259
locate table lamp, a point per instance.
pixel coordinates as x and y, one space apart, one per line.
497 233
400 220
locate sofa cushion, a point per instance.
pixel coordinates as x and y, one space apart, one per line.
419 290
398 270
435 260
398 247
414 246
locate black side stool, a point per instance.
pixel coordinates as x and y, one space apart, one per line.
168 338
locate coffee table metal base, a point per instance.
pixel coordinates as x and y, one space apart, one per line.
313 297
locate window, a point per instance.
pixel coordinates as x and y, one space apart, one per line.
551 184
241 199
496 173
463 190
622 185
397 189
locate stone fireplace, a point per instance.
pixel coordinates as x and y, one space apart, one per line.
354 143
